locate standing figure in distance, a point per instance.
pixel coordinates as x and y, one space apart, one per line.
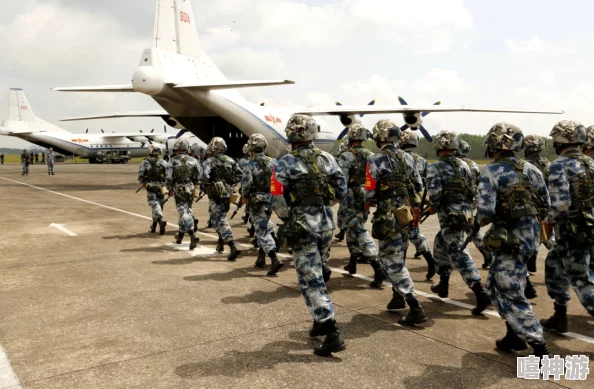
25 161
51 161
2 158
151 175
43 157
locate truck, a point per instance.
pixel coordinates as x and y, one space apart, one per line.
112 156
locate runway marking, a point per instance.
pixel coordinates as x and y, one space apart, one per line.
8 377
460 304
63 229
198 251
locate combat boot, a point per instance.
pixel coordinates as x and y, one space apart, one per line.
315 330
530 291
418 255
510 342
234 251
277 264
245 218
443 288
351 267
179 237
486 260
251 231
415 315
195 224
397 301
261 260
430 264
482 298
326 272
333 342
531 264
162 225
154 227
193 240
48 173
540 350
276 242
255 243
220 245
379 274
209 224
557 322
340 236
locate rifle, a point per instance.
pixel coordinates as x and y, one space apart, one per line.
200 196
139 189
475 230
167 199
239 205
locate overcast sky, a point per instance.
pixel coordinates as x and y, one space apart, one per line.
523 54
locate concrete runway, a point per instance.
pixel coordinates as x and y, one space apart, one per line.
116 307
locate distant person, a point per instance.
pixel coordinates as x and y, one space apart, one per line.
51 160
151 175
25 161
36 157
43 158
2 159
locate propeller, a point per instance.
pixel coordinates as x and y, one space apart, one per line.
421 128
87 131
102 131
346 129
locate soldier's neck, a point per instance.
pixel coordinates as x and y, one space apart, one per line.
505 154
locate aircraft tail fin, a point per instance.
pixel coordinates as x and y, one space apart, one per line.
19 109
175 28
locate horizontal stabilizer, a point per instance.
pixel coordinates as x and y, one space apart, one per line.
375 109
135 114
233 84
102 88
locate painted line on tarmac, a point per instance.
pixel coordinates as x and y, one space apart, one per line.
460 304
8 377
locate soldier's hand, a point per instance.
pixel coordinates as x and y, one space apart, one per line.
143 185
170 193
244 200
430 211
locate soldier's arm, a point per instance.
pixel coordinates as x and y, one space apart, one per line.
371 176
206 168
169 176
141 173
487 203
344 164
237 172
337 178
414 172
281 175
434 185
559 192
246 181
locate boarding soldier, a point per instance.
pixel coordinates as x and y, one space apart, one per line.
25 161
2 158
451 194
255 187
151 175
512 197
408 142
221 173
391 183
242 162
51 161
571 186
182 176
342 147
589 152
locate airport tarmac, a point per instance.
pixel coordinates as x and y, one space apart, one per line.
89 299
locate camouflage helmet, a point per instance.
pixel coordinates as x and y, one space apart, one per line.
446 140
534 143
246 149
504 137
589 138
181 145
216 146
301 128
409 138
463 150
153 150
357 133
387 131
342 147
257 143
568 132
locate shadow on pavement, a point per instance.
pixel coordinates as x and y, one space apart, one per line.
229 276
261 297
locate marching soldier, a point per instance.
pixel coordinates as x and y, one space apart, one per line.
151 175
51 160
342 147
512 194
589 152
25 161
451 194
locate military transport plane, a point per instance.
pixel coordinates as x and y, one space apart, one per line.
196 95
22 123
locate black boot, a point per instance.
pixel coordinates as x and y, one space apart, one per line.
557 322
418 255
340 236
255 243
154 227
486 260
442 289
220 245
276 241
251 231
351 267
532 263
397 301
333 342
530 291
277 264
482 299
326 272
245 218
234 251
315 330
379 275
540 350
195 224
261 260
162 225
430 264
209 224
193 240
179 237
415 315
510 342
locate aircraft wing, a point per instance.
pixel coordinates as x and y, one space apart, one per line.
378 109
103 88
233 84
132 114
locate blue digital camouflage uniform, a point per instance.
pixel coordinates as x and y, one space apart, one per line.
183 173
25 161
152 173
255 185
415 235
507 275
51 160
479 237
391 252
221 168
541 163
242 162
568 264
310 253
448 241
352 211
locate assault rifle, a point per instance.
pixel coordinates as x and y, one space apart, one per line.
200 196
239 205
475 230
139 189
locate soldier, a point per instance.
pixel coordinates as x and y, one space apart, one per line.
512 194
2 158
25 161
43 158
451 194
182 175
312 181
571 186
242 162
51 160
221 173
342 147
391 182
166 156
409 141
151 175
255 187
589 151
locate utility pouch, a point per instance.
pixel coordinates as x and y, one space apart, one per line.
221 189
385 225
297 230
500 239
182 193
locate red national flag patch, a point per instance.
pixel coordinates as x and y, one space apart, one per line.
276 188
370 183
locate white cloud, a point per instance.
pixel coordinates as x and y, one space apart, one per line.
533 46
247 63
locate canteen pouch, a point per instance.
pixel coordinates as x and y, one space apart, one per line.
195 192
257 201
580 231
499 239
404 217
164 191
234 198
297 230
385 226
457 220
182 193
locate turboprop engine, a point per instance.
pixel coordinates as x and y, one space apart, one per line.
148 77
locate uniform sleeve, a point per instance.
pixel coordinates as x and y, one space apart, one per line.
559 191
246 180
169 175
487 203
414 173
337 179
538 183
197 172
237 172
371 176
343 162
206 168
141 173
434 185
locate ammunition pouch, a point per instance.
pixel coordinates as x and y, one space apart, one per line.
182 193
580 231
257 201
457 220
153 188
388 224
297 230
499 238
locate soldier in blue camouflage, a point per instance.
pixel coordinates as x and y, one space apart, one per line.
242 162
352 213
221 173
391 183
255 187
451 195
51 161
312 181
151 175
182 176
589 152
571 186
408 142
25 161
512 195
342 147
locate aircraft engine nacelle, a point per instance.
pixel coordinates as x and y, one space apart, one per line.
139 139
413 120
159 138
172 122
148 80
349 120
